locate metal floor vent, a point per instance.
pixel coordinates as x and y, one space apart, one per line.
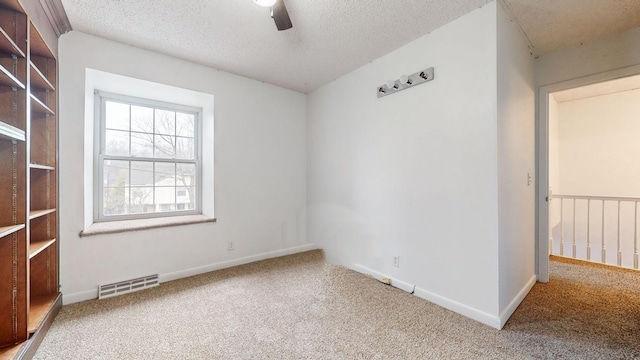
127 286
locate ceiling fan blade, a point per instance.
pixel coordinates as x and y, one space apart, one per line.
281 16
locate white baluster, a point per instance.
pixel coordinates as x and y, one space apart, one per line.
604 250
588 229
635 236
574 229
619 247
561 227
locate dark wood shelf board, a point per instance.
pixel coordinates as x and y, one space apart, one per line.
37 213
8 230
8 132
37 247
8 79
10 352
8 46
38 79
38 46
39 307
31 346
13 5
38 106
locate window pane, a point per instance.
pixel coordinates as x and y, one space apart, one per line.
114 201
190 201
165 122
184 196
185 125
141 144
165 199
185 148
165 174
115 173
117 116
141 173
136 183
164 146
116 142
185 174
141 119
141 200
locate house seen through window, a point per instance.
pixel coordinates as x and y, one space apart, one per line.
148 162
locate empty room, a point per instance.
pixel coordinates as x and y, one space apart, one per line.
290 179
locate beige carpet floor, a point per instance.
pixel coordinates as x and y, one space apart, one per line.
299 307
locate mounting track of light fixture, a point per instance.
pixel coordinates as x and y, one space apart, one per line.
405 82
279 13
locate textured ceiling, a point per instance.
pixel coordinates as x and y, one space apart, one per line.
329 38
554 24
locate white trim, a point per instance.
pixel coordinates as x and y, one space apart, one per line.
79 296
513 305
93 294
542 157
405 286
460 308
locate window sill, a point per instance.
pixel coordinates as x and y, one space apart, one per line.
114 227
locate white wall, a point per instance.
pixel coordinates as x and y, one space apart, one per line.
599 149
614 52
414 174
260 173
516 165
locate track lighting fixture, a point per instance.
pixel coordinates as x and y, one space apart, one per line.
405 82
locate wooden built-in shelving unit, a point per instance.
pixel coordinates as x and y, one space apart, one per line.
29 291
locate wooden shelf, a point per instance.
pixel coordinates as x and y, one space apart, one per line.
39 307
8 230
38 46
10 352
12 5
37 247
31 298
41 167
39 107
8 79
8 46
38 79
8 132
38 213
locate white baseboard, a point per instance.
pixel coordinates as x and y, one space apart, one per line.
378 276
446 303
460 308
513 305
234 262
93 294
79 296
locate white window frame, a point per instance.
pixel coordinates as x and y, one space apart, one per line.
100 99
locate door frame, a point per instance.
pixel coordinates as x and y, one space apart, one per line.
542 157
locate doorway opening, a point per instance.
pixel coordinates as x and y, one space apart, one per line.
588 185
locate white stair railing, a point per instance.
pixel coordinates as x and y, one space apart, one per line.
578 217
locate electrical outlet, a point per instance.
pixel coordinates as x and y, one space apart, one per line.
231 246
396 261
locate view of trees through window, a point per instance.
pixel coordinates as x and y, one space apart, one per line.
149 160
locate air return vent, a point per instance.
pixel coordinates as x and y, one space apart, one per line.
127 286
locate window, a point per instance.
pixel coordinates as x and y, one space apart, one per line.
148 160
